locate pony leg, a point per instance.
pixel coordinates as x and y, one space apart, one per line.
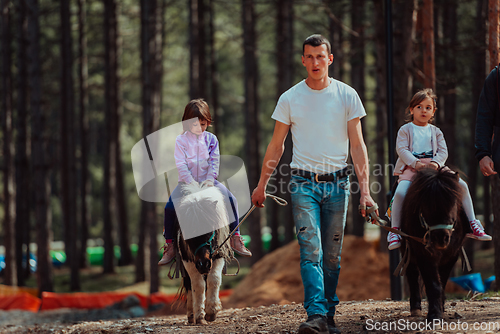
415 296
214 281
444 274
433 288
189 307
198 292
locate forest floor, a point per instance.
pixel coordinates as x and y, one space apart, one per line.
268 299
471 316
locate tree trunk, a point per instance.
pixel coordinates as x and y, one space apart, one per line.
21 161
121 200
214 75
41 185
151 45
450 73
336 70
381 107
282 215
404 27
251 120
428 41
493 45
84 130
197 64
68 167
479 70
357 58
10 274
111 98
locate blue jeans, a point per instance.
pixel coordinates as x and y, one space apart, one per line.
319 212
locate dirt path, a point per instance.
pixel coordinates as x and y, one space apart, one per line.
352 317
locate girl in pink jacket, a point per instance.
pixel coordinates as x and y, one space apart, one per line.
197 159
422 145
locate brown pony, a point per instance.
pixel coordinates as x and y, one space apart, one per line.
432 211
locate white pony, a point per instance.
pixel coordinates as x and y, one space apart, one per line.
199 208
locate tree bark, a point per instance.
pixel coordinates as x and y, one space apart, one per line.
282 216
84 131
68 167
479 70
10 273
428 41
111 107
151 45
357 58
41 185
404 27
381 107
493 45
450 73
336 38
197 63
22 225
121 200
214 75
251 120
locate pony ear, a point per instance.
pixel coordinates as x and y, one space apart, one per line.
214 203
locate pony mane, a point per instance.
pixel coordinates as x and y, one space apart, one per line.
435 190
206 207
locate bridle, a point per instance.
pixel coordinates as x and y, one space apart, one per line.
429 228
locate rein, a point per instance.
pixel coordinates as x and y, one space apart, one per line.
208 243
277 199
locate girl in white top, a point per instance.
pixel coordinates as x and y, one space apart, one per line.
422 145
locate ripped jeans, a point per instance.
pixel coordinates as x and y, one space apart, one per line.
319 213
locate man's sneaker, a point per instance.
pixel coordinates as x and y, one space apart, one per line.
314 324
394 239
478 231
332 329
168 254
238 246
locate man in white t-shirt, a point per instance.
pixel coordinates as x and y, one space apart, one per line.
323 115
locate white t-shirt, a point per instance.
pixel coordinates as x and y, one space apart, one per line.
422 138
318 120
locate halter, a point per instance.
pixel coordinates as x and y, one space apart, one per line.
208 243
432 228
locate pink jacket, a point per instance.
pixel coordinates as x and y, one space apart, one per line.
197 157
404 148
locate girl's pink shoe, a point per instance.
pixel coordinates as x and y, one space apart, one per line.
478 231
394 239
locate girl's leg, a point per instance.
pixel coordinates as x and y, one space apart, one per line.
476 227
236 241
467 201
234 205
397 204
168 221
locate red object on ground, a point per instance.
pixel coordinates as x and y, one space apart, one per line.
83 300
20 301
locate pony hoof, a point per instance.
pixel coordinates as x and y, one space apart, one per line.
191 319
416 313
201 321
210 317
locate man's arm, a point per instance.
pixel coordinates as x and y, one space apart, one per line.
273 155
486 108
360 159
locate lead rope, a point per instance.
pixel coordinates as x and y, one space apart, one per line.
277 199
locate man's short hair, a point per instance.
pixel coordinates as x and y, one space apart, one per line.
317 40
